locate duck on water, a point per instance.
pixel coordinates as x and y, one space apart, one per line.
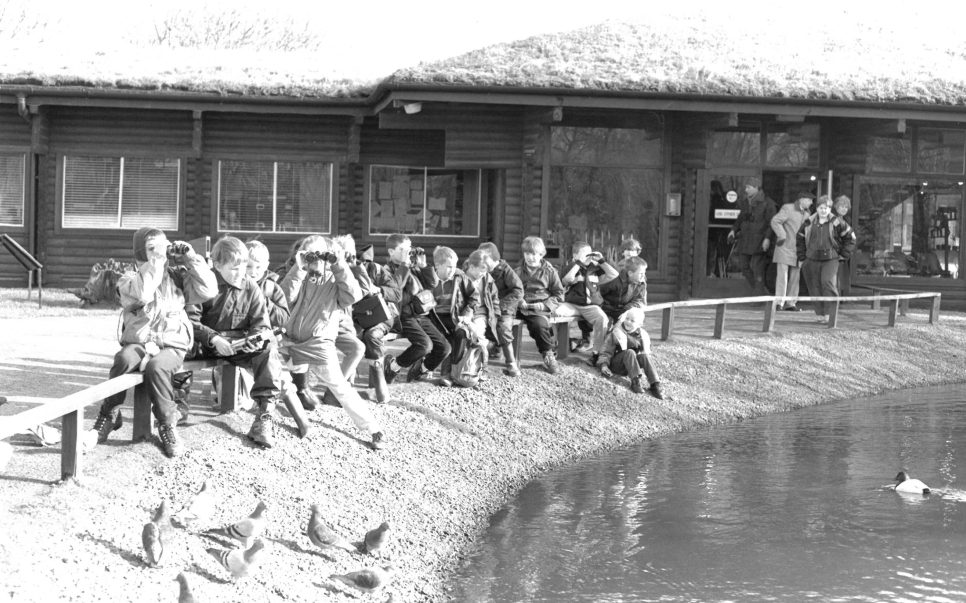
906 484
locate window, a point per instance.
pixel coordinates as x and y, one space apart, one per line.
121 192
890 154
941 151
735 148
424 201
909 228
792 146
274 196
606 185
11 189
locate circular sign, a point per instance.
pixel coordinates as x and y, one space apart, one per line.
732 196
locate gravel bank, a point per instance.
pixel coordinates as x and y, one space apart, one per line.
454 457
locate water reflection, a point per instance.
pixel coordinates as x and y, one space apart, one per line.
787 507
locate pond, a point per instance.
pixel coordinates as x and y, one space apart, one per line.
788 507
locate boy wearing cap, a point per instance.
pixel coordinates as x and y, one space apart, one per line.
786 224
753 229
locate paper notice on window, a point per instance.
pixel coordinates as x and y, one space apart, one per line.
416 185
402 206
444 222
400 188
412 225
387 212
437 203
416 198
726 214
385 190
434 221
375 209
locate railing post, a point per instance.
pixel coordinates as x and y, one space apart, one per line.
229 388
875 302
769 324
833 315
142 413
903 307
719 320
934 310
667 323
72 445
893 311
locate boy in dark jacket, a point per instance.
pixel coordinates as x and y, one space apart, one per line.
383 285
457 303
510 292
542 293
581 277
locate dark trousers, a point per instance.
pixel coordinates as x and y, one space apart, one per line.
504 330
820 278
633 364
455 337
157 377
540 330
753 267
372 337
426 343
265 365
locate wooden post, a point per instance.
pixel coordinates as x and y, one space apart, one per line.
875 302
229 388
40 287
934 310
142 413
72 444
893 310
667 323
30 283
517 340
719 320
769 324
833 315
563 339
903 307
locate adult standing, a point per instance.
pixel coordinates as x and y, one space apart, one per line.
752 229
786 224
822 241
840 208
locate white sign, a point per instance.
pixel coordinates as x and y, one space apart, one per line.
726 214
732 196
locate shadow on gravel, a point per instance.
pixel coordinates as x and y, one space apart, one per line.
298 548
430 414
29 480
222 425
364 443
128 556
203 572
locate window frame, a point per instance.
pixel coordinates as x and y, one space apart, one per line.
370 236
914 172
25 153
335 168
60 183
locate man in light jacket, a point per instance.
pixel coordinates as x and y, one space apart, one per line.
786 224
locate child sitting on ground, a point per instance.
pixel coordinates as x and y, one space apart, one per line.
542 293
509 293
318 288
457 303
627 350
156 329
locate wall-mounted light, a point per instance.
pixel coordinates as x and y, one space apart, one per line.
411 108
812 178
673 204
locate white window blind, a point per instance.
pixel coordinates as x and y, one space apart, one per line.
270 196
118 192
11 189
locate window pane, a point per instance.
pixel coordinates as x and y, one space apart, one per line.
92 192
396 199
11 190
890 154
941 151
792 146
452 202
604 206
735 148
606 146
908 228
304 197
245 194
150 193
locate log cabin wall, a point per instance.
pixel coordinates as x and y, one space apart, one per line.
689 152
15 140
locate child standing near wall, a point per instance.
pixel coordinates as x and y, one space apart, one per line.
542 293
627 350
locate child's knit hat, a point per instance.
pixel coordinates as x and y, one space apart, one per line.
143 234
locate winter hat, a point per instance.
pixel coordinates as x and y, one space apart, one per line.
143 234
366 254
805 195
753 181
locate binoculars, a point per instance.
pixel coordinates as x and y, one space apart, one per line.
415 252
177 248
311 257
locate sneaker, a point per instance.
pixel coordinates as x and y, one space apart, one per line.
329 399
445 382
387 369
263 430
172 442
416 372
512 369
550 363
105 424
792 309
656 390
583 346
493 351
378 441
308 399
636 386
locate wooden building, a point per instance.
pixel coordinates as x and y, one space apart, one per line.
492 146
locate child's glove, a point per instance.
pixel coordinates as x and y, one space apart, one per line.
606 372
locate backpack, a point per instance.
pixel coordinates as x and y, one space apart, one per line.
469 366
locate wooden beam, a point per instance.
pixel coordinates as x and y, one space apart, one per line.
903 307
893 311
39 133
229 388
355 140
769 324
934 309
225 106
142 414
833 315
72 445
719 320
550 116
416 121
197 146
667 324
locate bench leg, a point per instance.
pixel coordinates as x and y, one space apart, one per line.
893 311
903 307
229 388
934 310
719 320
769 324
833 315
517 341
875 302
563 340
667 324
71 445
142 414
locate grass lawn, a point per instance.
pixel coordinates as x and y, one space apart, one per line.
57 302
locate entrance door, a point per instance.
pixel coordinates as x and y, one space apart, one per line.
716 272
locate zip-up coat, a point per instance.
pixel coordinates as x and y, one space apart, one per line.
785 224
410 280
541 284
840 233
316 304
753 225
489 293
153 301
584 288
508 286
274 299
620 293
618 340
240 309
465 299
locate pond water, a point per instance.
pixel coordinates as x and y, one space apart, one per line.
788 507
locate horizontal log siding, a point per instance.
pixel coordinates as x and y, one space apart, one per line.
15 131
512 216
689 152
402 147
484 136
277 137
12 273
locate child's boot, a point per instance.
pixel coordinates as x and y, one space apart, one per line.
636 386
308 399
263 428
550 362
294 406
377 381
107 423
172 442
512 368
656 390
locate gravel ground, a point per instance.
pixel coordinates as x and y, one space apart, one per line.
454 457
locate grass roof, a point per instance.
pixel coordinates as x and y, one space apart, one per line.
705 54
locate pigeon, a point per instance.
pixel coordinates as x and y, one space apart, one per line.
245 530
186 596
376 539
369 580
162 516
153 547
6 451
201 507
322 535
240 562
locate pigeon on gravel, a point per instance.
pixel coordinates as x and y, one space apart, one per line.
245 530
323 536
185 596
368 581
376 539
153 547
201 507
162 516
6 451
240 562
